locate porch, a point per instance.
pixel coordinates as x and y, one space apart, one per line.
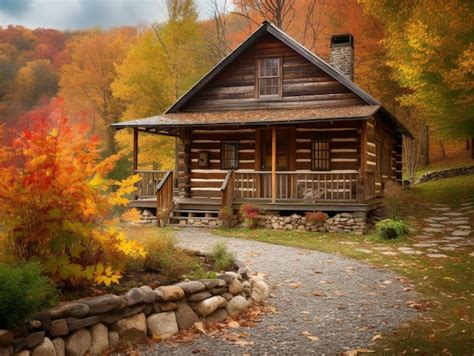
273 191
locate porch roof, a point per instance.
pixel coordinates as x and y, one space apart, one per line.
168 123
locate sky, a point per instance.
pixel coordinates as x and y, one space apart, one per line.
82 14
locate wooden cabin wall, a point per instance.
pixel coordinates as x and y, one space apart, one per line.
206 182
344 144
303 84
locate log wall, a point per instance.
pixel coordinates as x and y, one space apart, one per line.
303 84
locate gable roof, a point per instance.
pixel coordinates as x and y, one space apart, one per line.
172 117
269 28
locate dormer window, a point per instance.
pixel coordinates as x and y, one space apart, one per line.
269 77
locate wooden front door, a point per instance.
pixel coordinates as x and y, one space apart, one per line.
283 160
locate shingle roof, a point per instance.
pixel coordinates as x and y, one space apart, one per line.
255 117
173 118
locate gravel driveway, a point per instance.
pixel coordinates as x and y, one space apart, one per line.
353 301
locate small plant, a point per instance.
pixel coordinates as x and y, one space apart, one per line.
165 258
250 213
391 229
222 257
225 215
24 291
316 217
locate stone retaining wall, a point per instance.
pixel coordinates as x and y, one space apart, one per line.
445 174
355 222
94 325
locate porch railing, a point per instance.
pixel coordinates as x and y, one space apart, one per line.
302 186
146 186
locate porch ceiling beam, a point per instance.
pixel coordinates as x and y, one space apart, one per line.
135 150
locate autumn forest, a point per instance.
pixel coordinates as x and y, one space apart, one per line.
416 57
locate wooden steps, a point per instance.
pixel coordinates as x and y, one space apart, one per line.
197 216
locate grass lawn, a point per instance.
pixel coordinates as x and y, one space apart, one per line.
446 285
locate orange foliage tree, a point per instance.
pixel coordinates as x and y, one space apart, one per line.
56 201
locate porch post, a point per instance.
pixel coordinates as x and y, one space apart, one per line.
135 150
274 164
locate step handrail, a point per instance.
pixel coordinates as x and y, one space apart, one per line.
227 189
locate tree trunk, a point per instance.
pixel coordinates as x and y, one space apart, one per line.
443 151
426 145
472 148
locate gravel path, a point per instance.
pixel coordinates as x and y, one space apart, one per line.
356 301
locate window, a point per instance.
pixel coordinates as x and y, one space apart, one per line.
230 155
268 74
320 155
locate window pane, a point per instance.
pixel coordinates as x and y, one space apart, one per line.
229 155
321 155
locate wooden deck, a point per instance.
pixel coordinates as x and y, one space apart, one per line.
266 204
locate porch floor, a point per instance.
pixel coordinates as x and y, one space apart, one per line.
282 205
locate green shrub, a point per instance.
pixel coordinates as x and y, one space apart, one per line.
165 258
23 293
391 229
222 257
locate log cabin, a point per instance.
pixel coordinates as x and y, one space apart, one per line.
275 125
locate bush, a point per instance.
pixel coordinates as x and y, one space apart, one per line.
56 201
316 217
165 258
23 293
391 229
250 213
222 257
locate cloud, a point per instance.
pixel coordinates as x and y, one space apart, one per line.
14 7
82 14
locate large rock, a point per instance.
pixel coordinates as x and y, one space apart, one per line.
218 316
196 297
6 338
235 287
148 293
259 291
23 353
237 305
171 293
78 343
247 288
191 287
207 306
135 296
34 339
210 283
162 325
132 330
99 339
46 348
103 303
77 310
114 339
59 346
185 316
74 323
59 327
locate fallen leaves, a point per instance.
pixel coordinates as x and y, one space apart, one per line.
377 337
357 352
310 337
318 293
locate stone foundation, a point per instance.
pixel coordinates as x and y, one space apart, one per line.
94 325
355 222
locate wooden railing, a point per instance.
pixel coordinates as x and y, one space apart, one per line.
164 194
146 186
301 186
227 189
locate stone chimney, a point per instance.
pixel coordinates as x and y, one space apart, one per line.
342 54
